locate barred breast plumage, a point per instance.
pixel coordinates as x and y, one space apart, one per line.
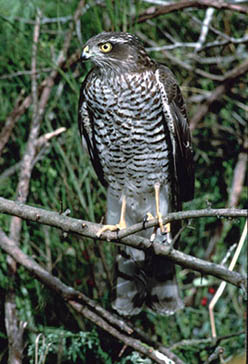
133 121
129 132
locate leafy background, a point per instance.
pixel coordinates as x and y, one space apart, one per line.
63 179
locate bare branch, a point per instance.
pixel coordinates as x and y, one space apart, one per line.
46 137
88 229
171 7
219 43
205 28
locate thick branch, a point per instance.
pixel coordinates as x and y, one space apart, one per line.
88 229
171 7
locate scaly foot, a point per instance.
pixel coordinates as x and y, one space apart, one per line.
121 225
164 229
122 222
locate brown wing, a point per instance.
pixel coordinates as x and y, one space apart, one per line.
86 129
180 133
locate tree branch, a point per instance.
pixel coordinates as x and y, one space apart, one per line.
171 7
89 230
14 328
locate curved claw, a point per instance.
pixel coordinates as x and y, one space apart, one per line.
119 226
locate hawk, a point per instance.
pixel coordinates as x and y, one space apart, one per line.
133 122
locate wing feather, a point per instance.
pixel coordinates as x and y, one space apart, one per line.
86 129
180 133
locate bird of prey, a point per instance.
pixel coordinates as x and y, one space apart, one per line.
133 122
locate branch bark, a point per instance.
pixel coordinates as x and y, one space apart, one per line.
89 230
171 7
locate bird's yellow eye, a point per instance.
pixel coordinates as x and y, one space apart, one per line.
105 47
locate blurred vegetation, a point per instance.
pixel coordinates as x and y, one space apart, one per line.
64 179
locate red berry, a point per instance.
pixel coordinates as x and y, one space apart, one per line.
211 290
204 301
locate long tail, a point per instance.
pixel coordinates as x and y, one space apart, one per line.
145 279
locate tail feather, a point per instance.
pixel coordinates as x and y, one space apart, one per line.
129 292
163 296
149 281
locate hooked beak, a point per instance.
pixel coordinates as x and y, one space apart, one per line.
86 53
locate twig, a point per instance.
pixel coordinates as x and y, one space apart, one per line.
218 43
228 254
205 28
46 137
223 284
88 229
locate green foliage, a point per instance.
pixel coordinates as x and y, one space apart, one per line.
63 179
83 346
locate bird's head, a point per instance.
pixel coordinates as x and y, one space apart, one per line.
116 50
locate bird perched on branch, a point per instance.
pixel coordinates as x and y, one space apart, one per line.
133 121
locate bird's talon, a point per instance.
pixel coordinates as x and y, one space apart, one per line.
116 227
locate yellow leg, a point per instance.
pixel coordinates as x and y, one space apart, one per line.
158 213
120 225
